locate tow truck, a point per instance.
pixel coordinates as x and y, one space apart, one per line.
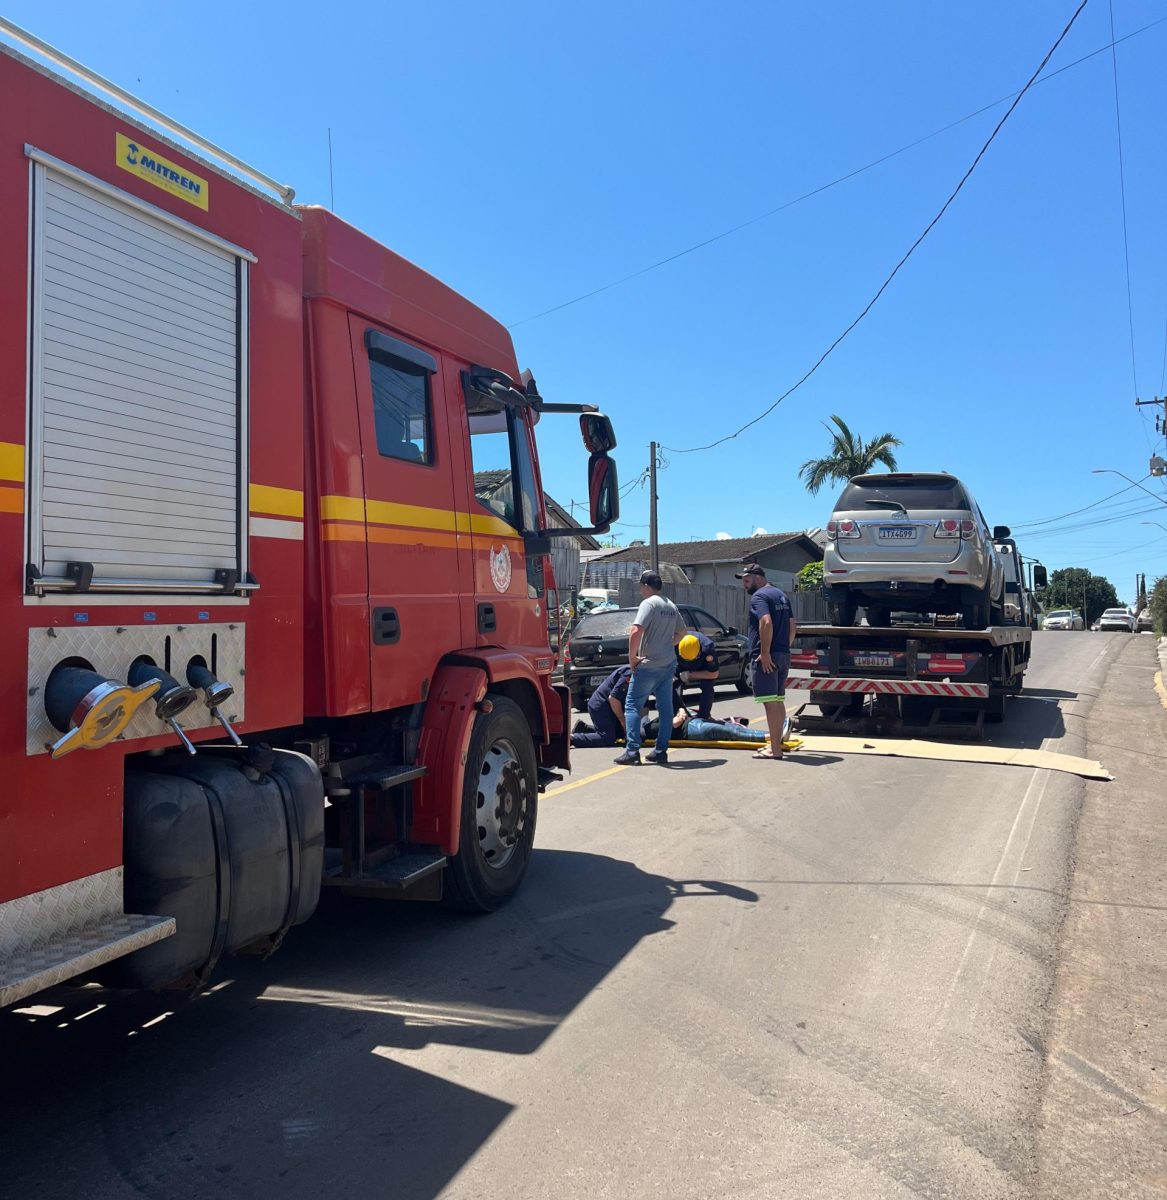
922 676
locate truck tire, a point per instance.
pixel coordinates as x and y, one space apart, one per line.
844 611
499 806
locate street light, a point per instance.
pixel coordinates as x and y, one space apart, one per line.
1132 482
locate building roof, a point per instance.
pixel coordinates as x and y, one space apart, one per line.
488 482
725 550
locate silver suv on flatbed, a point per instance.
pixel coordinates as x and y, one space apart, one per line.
913 542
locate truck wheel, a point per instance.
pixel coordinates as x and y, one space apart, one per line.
878 616
499 806
843 612
744 683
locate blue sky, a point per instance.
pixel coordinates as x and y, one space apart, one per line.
527 153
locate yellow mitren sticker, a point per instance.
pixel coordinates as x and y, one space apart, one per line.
151 166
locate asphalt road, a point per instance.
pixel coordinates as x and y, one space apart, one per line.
826 977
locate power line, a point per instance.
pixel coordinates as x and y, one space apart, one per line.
876 162
1093 523
911 250
1076 511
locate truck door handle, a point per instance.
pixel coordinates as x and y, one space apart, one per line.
487 620
386 626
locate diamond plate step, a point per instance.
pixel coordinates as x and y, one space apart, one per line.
33 968
399 872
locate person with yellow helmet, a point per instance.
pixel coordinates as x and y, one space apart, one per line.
698 664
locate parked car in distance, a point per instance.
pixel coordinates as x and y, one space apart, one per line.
1063 618
599 644
1116 620
1144 623
912 541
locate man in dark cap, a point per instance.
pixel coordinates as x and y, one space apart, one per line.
772 632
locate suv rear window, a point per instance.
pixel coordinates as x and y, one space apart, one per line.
616 623
911 493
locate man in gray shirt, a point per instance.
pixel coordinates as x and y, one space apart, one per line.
657 629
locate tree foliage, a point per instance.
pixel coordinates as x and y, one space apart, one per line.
849 456
810 578
1076 587
1158 605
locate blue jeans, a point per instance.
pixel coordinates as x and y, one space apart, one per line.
649 681
721 731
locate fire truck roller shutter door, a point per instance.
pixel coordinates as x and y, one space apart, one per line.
139 388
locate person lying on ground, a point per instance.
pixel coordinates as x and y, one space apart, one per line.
690 728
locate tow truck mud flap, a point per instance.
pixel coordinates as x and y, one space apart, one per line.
231 845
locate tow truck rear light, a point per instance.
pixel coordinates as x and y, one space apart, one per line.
843 529
939 664
804 658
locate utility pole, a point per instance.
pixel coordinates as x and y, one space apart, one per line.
1158 466
653 543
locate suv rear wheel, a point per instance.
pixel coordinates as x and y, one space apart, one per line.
976 609
844 609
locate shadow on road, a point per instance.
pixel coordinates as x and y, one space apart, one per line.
314 1072
802 758
1029 720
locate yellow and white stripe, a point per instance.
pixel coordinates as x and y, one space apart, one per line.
11 472
276 512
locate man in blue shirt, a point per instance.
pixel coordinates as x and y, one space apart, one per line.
697 653
772 631
606 709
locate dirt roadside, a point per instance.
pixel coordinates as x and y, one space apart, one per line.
1103 1125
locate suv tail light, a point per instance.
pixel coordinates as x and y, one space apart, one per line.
567 653
950 527
843 529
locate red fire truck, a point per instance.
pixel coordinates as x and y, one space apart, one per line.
261 633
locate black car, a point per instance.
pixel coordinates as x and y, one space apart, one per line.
599 644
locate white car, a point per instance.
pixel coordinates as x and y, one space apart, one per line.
1116 620
1063 618
915 542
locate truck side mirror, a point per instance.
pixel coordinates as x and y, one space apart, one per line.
603 491
598 435
1000 532
1040 576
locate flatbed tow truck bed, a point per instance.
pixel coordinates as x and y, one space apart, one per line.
912 680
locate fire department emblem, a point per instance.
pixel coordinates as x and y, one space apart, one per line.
500 568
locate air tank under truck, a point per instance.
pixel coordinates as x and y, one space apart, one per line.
261 630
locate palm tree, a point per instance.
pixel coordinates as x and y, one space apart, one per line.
849 456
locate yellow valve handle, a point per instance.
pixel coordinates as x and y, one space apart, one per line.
106 719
